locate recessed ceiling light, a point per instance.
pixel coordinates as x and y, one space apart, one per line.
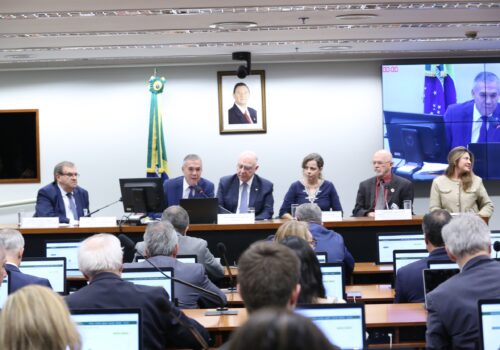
20 56
334 48
233 25
356 16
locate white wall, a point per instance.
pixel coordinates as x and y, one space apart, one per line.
98 118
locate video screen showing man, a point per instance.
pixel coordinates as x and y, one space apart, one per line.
240 113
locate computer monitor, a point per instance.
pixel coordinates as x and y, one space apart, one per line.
187 258
53 269
4 290
104 329
489 323
201 210
388 242
142 195
333 279
441 264
342 324
322 257
495 237
67 249
433 278
407 256
151 277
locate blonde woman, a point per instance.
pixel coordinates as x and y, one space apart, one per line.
297 229
36 318
459 190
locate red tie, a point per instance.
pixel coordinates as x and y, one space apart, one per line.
247 117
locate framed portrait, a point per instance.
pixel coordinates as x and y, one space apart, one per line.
242 102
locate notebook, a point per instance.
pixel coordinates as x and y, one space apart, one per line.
201 210
388 242
53 269
151 277
333 279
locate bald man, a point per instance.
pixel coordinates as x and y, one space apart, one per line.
383 191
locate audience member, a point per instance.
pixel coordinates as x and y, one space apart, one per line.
452 321
295 229
164 325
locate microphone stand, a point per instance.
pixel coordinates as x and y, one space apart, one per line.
201 192
108 205
222 251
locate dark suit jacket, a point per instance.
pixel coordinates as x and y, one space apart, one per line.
458 123
452 321
399 189
188 298
163 324
261 195
236 117
173 190
409 280
19 279
49 202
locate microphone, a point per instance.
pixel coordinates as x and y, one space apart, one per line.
221 247
98 210
199 190
496 248
221 310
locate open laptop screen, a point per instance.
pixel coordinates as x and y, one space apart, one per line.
53 269
201 210
495 236
322 257
441 264
333 279
109 328
151 277
388 242
4 290
67 249
489 323
343 324
433 278
404 257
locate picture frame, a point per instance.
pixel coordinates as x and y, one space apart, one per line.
231 118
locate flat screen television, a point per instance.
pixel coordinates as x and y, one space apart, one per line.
429 107
142 195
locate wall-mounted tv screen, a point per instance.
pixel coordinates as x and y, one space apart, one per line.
19 146
431 108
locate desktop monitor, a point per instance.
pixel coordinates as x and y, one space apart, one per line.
4 290
322 257
489 323
142 195
333 279
53 269
67 249
342 324
388 242
441 264
495 237
407 256
151 277
104 329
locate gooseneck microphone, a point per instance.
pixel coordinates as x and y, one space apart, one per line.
107 205
221 247
496 248
199 190
221 310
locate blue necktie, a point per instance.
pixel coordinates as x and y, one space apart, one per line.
72 205
191 192
244 198
483 132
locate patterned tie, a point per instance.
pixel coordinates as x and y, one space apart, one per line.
380 204
72 205
244 198
483 132
247 117
191 192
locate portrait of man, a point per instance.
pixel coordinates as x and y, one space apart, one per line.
240 113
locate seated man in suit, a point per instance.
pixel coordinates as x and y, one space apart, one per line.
409 281
13 243
164 325
161 247
190 185
383 191
63 197
240 113
245 189
327 240
452 321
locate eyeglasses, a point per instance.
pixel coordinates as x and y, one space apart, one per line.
70 174
313 243
381 163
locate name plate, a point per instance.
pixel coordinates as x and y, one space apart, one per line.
328 216
224 219
39 222
393 214
102 221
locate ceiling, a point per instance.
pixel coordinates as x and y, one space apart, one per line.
76 33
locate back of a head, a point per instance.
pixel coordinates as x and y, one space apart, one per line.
12 240
100 253
466 234
432 225
309 212
160 238
177 216
272 329
292 228
36 318
268 273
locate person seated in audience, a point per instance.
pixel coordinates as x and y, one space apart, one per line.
36 318
311 189
327 240
63 197
452 321
162 246
164 325
271 329
188 245
245 189
295 229
383 191
312 290
13 242
409 282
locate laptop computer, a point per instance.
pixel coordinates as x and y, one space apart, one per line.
433 278
489 323
104 329
53 269
333 279
342 324
4 290
151 277
388 242
403 257
441 264
201 210
67 249
187 258
322 257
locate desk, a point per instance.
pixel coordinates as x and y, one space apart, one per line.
369 272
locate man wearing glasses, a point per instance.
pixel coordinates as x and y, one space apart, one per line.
63 198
